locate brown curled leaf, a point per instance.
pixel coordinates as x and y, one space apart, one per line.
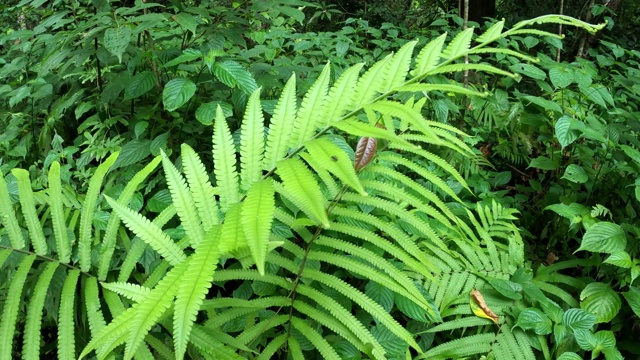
365 151
480 308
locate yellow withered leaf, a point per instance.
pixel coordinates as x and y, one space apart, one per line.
480 308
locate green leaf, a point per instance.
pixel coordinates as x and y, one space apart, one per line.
306 121
492 33
233 74
535 319
459 45
177 92
544 103
132 153
252 142
193 288
631 152
620 258
117 39
186 21
11 306
186 56
8 216
330 157
66 317
257 217
224 162
429 56
31 347
604 237
544 163
380 294
280 125
206 112
303 190
564 132
560 77
578 319
529 70
232 237
576 174
569 356
140 84
600 300
633 299
506 288
27 201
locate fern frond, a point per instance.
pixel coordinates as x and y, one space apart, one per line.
92 304
130 291
369 84
202 191
459 45
11 306
63 245
405 113
160 348
252 332
295 349
257 217
340 97
28 206
301 188
273 346
224 162
66 323
31 347
316 339
8 216
397 68
330 157
332 187
491 33
306 121
251 143
232 237
138 245
462 347
193 288
183 201
149 233
281 123
85 239
148 311
429 56
210 348
460 323
110 234
355 127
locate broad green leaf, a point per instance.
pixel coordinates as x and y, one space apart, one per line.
186 56
560 78
529 70
575 173
578 319
233 74
598 93
506 288
633 299
544 163
117 39
631 152
301 188
569 356
570 211
544 103
132 153
330 157
257 216
380 294
564 132
224 162
177 92
620 258
535 319
186 21
140 84
206 112
600 300
604 237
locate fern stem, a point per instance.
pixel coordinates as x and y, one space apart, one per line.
47 258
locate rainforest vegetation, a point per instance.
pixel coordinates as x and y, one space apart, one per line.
288 179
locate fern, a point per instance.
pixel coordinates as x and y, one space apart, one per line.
303 213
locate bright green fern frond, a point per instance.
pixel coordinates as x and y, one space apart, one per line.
330 157
295 349
11 307
281 124
149 233
274 345
202 191
148 312
224 162
462 347
302 189
63 244
130 291
232 237
28 205
397 68
66 322
88 208
8 216
257 217
110 234
459 45
369 84
31 347
251 143
329 182
306 121
340 97
429 56
192 289
183 201
316 339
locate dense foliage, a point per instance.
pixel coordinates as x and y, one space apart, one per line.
229 180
